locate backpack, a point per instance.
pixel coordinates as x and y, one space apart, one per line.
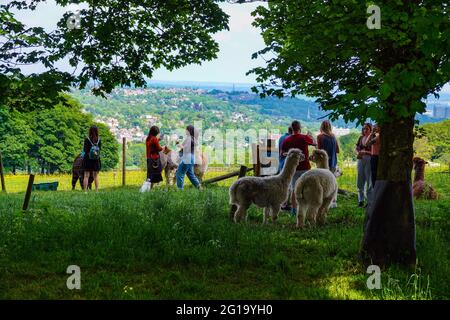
94 154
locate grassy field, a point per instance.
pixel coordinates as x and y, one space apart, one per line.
168 244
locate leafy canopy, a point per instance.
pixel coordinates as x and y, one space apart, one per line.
119 42
324 49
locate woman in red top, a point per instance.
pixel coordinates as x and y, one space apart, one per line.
154 167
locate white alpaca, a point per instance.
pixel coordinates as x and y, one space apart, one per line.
315 190
265 192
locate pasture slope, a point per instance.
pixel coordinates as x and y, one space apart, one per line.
168 244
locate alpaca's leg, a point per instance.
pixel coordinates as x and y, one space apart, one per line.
323 210
167 175
266 215
312 214
301 215
241 212
275 211
174 177
233 210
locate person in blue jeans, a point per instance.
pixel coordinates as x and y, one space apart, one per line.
281 156
186 166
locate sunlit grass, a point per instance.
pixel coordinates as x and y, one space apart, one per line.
168 244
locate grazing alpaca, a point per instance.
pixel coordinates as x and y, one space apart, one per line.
315 190
421 189
265 192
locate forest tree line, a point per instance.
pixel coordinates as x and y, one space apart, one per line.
48 140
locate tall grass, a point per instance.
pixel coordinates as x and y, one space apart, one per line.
180 244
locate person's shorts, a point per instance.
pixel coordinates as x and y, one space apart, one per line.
296 176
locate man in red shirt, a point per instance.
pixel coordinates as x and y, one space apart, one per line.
299 141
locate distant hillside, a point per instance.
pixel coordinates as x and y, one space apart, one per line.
130 111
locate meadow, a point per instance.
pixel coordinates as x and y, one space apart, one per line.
169 244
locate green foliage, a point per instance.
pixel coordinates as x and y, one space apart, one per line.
22 45
324 49
16 138
136 155
347 146
50 139
423 148
110 147
438 136
119 42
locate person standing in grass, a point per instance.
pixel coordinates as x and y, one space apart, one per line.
154 166
364 152
299 141
375 143
91 161
186 166
327 141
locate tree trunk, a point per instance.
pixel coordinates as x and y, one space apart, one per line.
389 229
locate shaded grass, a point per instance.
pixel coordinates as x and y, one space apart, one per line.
180 245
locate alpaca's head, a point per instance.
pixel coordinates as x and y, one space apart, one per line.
419 163
319 157
295 155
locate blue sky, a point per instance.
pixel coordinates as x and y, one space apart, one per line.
236 46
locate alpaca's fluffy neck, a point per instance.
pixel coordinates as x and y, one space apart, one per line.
419 174
288 170
323 164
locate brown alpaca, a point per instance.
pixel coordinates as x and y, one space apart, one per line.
421 189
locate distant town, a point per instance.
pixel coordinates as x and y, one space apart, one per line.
129 112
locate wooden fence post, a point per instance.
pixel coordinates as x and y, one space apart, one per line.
124 161
28 193
2 177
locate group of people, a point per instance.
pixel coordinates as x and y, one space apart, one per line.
326 141
367 149
91 163
187 155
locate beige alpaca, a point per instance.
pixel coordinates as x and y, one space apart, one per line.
315 190
265 192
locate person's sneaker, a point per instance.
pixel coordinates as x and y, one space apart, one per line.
333 205
361 204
